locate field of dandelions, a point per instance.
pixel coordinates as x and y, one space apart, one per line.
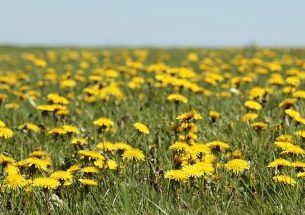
152 131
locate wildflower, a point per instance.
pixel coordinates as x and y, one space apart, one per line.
293 149
284 138
104 123
279 162
253 105
176 175
248 117
91 155
87 182
287 103
141 127
193 115
283 145
30 127
79 141
237 166
214 116
14 181
179 147
6 133
89 169
74 168
62 176
46 182
292 113
259 125
285 179
218 145
106 146
133 154
37 163
177 98
300 133
70 129
6 160
57 99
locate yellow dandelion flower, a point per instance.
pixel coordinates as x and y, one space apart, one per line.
253 105
176 175
106 146
140 127
193 115
37 163
122 146
91 155
259 125
6 159
284 179
62 175
180 147
177 98
133 154
298 164
294 150
87 182
14 181
292 113
6 133
71 129
301 174
287 103
218 145
74 168
79 141
214 116
30 127
278 162
237 166
284 138
105 123
57 99
283 145
46 182
11 169
89 169
300 133
249 117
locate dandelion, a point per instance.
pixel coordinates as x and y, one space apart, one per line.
177 98
62 176
253 105
133 154
104 123
46 182
176 175
87 182
218 145
140 127
193 115
249 117
214 116
284 179
259 125
279 162
6 133
14 181
89 169
237 166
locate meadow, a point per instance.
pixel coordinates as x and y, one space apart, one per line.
152 131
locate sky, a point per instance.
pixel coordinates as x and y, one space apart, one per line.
206 23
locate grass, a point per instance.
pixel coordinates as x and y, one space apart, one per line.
140 187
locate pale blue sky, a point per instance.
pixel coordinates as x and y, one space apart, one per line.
153 22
